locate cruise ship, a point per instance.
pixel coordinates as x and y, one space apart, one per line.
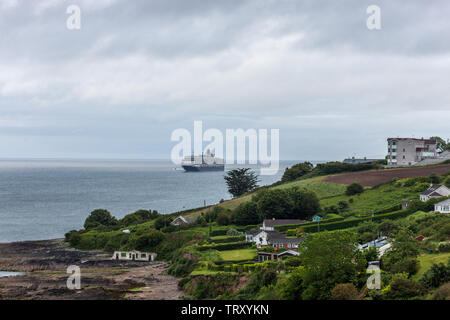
205 162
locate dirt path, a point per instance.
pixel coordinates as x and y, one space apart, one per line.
374 177
46 262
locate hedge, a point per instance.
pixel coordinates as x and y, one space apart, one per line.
226 246
354 222
228 239
286 227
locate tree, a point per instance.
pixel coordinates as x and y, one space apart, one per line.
354 188
345 291
162 221
329 258
293 203
223 219
99 217
240 181
305 203
436 276
442 145
274 203
404 289
149 240
246 214
402 256
296 171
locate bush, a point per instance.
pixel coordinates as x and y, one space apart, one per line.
404 289
73 238
444 247
99 217
436 276
443 293
345 291
149 240
223 219
296 171
354 188
246 213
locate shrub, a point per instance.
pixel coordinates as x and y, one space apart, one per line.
443 293
99 217
345 291
354 188
437 275
296 171
246 213
403 289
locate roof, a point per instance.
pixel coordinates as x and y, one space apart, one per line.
252 232
289 252
279 222
431 190
287 240
185 220
443 203
365 160
428 141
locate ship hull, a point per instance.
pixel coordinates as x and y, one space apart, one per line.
203 168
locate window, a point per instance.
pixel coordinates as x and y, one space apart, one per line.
404 157
394 143
394 157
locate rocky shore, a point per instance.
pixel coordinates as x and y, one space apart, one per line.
45 263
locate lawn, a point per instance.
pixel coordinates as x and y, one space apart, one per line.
426 261
236 255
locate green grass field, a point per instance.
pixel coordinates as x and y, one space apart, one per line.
373 200
426 261
321 188
236 255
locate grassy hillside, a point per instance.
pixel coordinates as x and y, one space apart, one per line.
427 260
373 200
322 189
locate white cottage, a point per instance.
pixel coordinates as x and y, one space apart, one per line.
443 206
134 256
435 191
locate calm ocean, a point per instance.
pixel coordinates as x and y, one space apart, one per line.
45 199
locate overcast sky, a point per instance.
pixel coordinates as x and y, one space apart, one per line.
137 70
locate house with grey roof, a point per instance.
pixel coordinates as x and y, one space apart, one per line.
269 224
443 206
275 239
435 191
181 220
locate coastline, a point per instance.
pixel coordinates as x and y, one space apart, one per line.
44 264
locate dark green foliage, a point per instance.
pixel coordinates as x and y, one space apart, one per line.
354 188
137 217
73 237
401 258
338 167
224 218
371 254
246 213
296 171
226 246
149 240
292 203
436 276
434 178
329 259
404 289
162 221
98 218
212 286
240 181
258 280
